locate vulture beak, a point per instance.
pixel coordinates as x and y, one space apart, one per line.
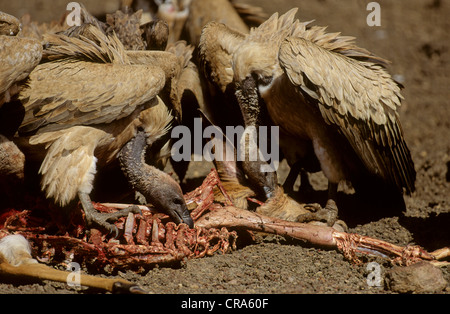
169 198
183 215
263 182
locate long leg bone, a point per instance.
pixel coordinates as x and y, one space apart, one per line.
348 243
16 260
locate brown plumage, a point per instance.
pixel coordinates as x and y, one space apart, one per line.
187 94
188 79
156 35
134 34
325 94
9 25
127 28
89 104
18 56
201 12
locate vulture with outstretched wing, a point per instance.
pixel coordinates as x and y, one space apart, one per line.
333 101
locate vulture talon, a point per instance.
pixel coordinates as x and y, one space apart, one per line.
122 213
104 220
328 214
313 207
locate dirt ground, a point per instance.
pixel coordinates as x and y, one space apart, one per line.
414 36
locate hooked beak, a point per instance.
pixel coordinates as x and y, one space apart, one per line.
181 215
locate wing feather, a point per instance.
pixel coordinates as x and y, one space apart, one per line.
18 57
72 151
70 93
360 99
86 80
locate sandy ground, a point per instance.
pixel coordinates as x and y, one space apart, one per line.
414 36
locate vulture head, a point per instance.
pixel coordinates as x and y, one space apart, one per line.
168 196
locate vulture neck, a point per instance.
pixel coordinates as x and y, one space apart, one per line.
255 114
132 159
248 98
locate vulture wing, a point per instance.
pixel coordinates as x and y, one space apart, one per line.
189 82
87 81
360 99
64 94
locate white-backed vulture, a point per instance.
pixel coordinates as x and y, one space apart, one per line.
331 99
87 104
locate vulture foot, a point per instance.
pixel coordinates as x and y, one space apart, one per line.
328 214
104 220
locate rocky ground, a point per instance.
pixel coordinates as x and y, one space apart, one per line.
414 36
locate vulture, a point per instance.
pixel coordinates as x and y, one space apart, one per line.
335 104
88 103
220 108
